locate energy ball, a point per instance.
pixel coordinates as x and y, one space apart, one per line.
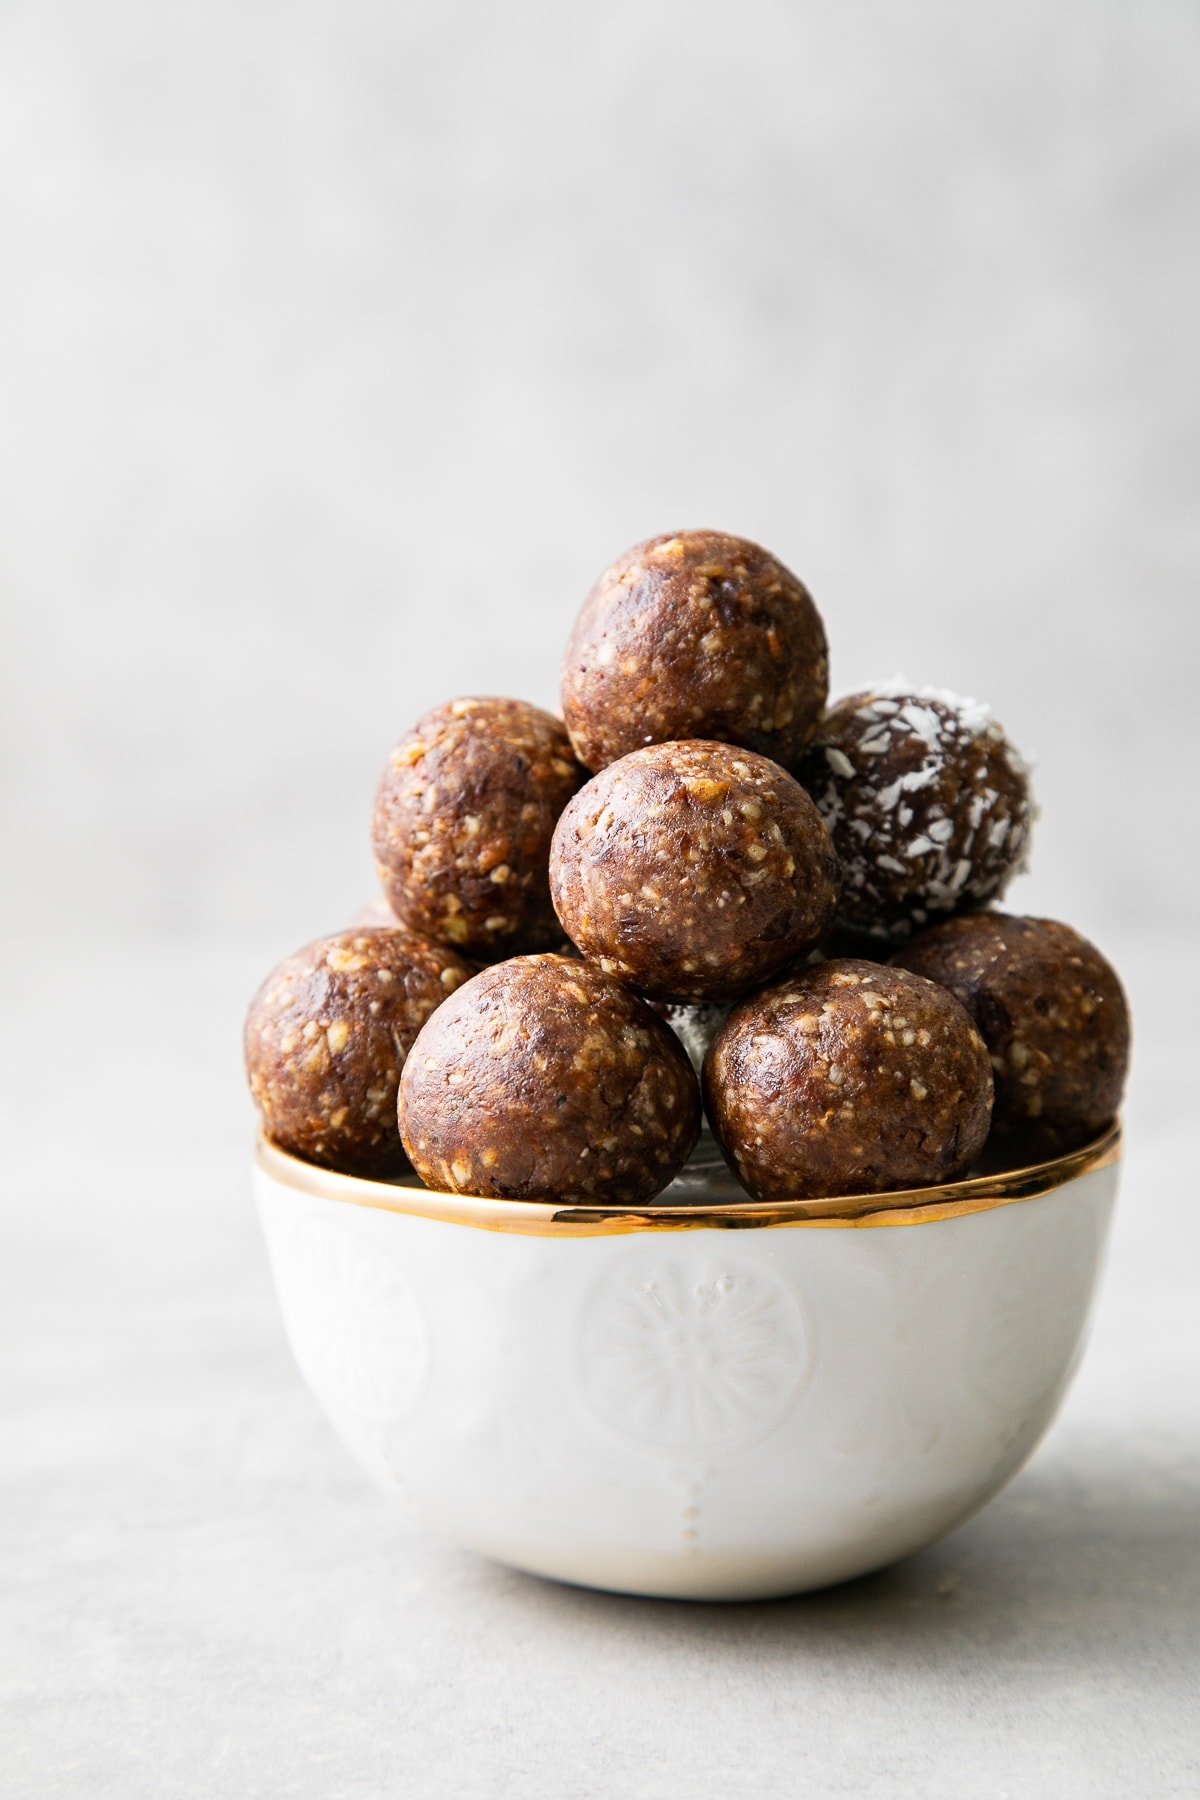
848 1078
545 1079
695 634
326 1035
463 818
693 871
1052 1013
926 800
377 912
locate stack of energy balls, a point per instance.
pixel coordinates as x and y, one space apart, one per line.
700 893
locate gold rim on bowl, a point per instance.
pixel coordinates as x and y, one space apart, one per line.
536 1218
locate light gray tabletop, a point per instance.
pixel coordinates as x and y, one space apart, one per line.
203 1596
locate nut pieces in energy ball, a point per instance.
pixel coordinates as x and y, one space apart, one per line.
462 825
326 1035
693 871
544 1079
927 803
1052 1013
848 1078
695 634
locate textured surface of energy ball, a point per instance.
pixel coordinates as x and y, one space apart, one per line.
545 1079
926 800
463 817
378 912
327 1034
695 634
693 871
1052 1013
849 1078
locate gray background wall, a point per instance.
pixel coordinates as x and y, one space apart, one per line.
342 346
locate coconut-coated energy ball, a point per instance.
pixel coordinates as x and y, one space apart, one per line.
463 818
1052 1013
545 1079
693 871
695 634
926 800
848 1078
326 1035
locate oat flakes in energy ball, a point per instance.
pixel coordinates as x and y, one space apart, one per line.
1052 1013
926 800
848 1078
326 1035
695 634
463 818
693 871
544 1079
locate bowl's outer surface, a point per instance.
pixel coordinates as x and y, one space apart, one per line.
706 1414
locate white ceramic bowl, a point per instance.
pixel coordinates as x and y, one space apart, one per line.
704 1398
